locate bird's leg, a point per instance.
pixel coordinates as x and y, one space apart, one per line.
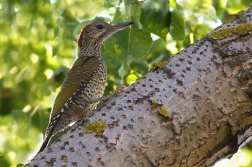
119 88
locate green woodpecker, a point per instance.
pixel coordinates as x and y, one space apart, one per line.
85 82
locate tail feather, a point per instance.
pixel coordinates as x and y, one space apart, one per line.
45 143
49 133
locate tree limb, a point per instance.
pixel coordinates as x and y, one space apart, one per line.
206 91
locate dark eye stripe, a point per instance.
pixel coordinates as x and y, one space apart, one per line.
99 26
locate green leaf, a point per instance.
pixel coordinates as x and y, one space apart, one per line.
60 74
129 2
164 6
246 3
136 10
19 165
177 24
6 100
120 49
155 17
68 15
108 51
42 121
4 160
111 3
10 9
140 66
122 71
19 116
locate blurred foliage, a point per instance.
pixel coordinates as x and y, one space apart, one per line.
38 47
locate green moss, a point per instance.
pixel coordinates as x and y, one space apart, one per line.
233 16
154 102
158 65
163 111
64 158
242 29
221 34
97 127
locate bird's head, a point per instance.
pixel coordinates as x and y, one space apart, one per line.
95 33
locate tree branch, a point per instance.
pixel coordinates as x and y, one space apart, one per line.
206 92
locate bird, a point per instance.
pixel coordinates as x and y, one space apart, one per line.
85 82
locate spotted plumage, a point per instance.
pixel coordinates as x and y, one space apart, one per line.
85 82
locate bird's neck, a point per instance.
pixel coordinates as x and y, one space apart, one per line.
90 49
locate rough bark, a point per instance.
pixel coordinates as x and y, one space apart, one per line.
207 91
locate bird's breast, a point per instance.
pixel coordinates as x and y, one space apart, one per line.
96 85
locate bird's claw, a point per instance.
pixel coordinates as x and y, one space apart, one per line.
118 89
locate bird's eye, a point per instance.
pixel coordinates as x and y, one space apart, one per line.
99 26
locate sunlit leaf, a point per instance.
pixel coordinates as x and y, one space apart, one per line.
155 17
121 48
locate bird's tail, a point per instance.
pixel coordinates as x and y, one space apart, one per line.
45 142
50 131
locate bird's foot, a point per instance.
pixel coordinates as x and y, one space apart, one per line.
119 88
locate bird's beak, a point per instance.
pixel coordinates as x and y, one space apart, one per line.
122 25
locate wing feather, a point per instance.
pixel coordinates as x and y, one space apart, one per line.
83 69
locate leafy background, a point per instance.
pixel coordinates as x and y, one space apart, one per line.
37 41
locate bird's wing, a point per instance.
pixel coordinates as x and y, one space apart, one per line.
83 69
